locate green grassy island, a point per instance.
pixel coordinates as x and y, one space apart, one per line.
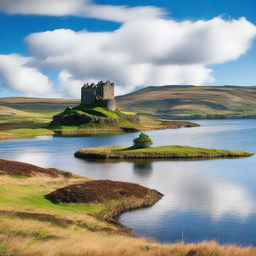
96 118
165 152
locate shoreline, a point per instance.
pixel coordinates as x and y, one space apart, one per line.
31 133
132 195
42 231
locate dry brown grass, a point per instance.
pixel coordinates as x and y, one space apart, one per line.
26 238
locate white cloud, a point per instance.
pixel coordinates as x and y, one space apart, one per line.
147 49
71 86
144 52
82 8
19 76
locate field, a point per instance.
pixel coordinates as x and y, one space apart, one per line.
165 152
179 102
32 225
28 116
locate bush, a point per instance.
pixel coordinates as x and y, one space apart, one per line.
143 141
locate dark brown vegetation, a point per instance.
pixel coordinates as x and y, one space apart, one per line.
14 168
99 191
117 196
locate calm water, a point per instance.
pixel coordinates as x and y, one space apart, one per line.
204 200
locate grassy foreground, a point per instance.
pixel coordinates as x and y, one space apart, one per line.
165 152
32 225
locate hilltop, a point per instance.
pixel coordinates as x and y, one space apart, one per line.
189 102
95 116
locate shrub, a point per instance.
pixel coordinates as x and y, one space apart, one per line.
143 141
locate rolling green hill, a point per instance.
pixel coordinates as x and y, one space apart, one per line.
181 102
171 102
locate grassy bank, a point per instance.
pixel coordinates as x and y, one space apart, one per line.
165 152
32 225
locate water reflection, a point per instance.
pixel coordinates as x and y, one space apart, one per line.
197 204
142 168
212 199
194 191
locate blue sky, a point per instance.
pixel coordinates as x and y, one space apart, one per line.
61 77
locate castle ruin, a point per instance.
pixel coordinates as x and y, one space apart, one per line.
102 92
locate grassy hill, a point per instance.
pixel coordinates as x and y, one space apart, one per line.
180 102
173 102
95 116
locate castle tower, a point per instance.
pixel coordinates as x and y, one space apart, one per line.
102 93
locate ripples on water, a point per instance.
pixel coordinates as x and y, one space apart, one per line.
204 200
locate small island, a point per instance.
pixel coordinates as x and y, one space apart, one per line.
97 112
142 150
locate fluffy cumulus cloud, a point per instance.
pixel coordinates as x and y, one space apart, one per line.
70 85
144 52
147 49
81 8
18 75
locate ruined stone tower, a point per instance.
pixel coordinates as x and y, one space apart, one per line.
102 92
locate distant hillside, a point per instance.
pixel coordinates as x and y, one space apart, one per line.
36 105
180 102
173 102
21 112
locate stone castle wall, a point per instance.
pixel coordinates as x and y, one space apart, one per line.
101 92
109 104
88 96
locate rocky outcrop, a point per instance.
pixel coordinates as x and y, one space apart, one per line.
132 118
78 118
178 124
